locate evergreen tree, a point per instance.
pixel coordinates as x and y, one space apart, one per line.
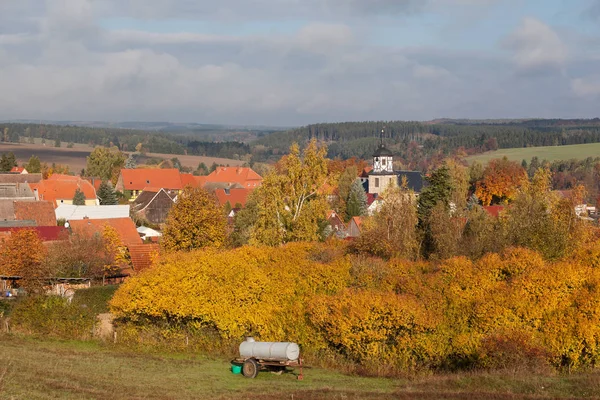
357 200
79 198
33 166
131 162
107 195
439 190
57 142
7 162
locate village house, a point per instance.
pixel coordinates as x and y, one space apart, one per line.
337 224
26 213
153 205
69 212
135 181
18 170
124 227
354 227
20 178
60 189
246 177
142 256
235 196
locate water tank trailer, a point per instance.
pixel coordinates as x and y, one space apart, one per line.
271 356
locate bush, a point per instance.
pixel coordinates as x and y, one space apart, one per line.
509 310
52 316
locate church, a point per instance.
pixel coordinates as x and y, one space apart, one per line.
383 174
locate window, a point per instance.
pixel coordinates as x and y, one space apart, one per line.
376 182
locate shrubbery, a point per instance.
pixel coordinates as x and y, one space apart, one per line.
510 310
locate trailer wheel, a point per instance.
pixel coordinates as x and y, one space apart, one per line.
250 368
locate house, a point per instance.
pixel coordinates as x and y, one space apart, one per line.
142 256
60 189
153 205
26 213
18 170
45 233
246 177
40 212
236 197
494 211
20 178
136 180
383 174
16 191
148 233
335 221
124 226
354 227
192 180
69 212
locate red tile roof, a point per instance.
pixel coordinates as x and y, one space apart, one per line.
365 172
494 211
371 198
124 226
244 176
193 181
142 255
141 178
358 221
234 197
45 233
42 212
96 182
63 187
19 170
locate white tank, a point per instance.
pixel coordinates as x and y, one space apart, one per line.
271 351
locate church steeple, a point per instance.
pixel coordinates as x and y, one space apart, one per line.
383 160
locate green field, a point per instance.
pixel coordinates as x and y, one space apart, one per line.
44 369
550 153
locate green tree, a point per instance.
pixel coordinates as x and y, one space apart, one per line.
79 198
195 221
105 163
7 162
202 169
439 191
106 194
57 142
345 182
356 205
34 165
131 162
290 205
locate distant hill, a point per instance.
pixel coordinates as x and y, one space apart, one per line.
442 136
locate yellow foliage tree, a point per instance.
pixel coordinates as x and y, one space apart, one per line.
290 206
23 254
116 253
195 221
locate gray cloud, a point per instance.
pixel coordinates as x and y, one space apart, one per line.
59 63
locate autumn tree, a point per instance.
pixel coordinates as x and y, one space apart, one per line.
392 232
459 177
501 182
438 192
79 198
79 257
195 221
106 194
290 205
116 253
23 254
105 163
356 205
33 166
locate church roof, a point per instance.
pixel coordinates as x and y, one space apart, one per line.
382 151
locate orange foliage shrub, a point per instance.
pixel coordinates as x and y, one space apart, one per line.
509 308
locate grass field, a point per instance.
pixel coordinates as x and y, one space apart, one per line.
75 158
550 153
44 369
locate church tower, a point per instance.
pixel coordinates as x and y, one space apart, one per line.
383 170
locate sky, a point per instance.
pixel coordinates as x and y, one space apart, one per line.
296 62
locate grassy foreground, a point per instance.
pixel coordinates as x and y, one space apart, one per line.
34 369
550 153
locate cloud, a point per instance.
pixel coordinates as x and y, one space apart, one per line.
59 60
536 46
